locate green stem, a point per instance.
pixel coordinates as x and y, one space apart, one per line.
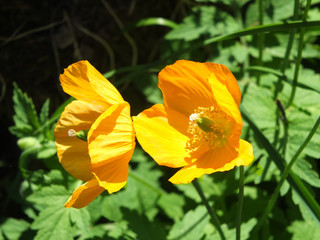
295 182
260 39
213 216
285 61
297 68
284 176
240 202
298 60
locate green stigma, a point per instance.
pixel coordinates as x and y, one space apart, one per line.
83 134
205 124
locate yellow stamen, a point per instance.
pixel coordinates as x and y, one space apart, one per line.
209 126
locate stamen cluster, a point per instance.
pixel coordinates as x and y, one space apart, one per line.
220 128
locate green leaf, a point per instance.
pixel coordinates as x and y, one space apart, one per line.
53 223
50 195
148 85
25 118
260 105
304 170
172 204
304 194
231 233
44 112
81 218
203 21
139 155
142 193
13 228
191 226
47 150
143 227
304 230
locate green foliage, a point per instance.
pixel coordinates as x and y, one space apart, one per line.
263 61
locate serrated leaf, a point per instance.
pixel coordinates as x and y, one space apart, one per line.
53 223
111 207
81 218
304 170
306 212
304 230
25 113
50 195
13 228
172 204
44 112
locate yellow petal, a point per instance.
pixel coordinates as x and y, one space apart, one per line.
164 143
84 194
112 176
226 77
82 81
215 161
185 86
73 152
111 145
224 99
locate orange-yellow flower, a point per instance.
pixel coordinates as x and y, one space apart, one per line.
199 125
102 160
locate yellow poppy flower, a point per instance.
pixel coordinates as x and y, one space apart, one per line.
103 117
199 125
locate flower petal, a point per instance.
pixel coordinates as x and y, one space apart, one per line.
215 161
73 152
112 176
82 81
224 99
185 86
111 145
225 76
84 194
160 139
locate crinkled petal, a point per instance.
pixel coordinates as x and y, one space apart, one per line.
225 76
224 99
84 194
111 144
82 81
164 143
215 161
73 152
185 86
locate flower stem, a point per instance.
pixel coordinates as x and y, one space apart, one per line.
260 39
298 59
285 174
213 216
240 201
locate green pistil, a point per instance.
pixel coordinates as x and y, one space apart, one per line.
205 124
83 134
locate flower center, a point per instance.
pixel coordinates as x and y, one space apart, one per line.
208 126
